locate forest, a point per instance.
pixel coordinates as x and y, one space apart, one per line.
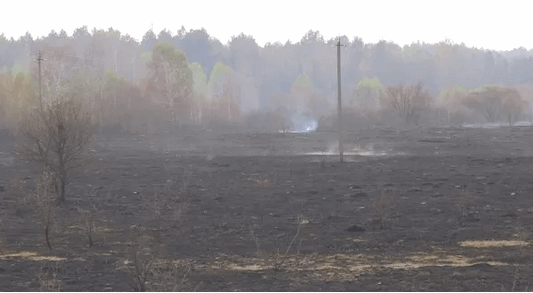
191 78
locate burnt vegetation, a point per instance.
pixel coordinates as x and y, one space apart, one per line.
180 163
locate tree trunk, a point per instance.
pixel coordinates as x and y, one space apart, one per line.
47 235
63 184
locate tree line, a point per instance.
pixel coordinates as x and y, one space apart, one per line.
189 77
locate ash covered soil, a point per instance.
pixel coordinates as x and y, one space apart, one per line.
448 209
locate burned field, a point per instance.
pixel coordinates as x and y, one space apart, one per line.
428 209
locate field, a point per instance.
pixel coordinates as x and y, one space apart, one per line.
447 209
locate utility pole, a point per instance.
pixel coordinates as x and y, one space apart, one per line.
39 59
339 100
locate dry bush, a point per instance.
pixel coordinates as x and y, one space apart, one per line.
49 279
257 241
407 101
56 136
168 277
263 184
140 267
149 273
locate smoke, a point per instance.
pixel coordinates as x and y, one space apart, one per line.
303 123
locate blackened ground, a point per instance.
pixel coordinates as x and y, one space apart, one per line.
394 216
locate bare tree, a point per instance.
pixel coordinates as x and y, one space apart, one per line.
408 101
56 136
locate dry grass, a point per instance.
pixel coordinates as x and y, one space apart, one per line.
30 255
140 267
493 243
343 267
262 183
151 274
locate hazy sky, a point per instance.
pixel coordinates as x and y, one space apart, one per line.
499 25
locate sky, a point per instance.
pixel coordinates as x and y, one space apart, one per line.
496 25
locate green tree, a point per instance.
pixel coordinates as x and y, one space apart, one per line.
21 95
171 81
368 93
302 94
222 92
200 90
220 73
4 47
451 99
146 58
199 78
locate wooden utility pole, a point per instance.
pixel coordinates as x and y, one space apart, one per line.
39 59
339 100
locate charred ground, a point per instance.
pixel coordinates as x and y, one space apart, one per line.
395 216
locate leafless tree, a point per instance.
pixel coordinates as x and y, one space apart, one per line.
408 101
56 136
